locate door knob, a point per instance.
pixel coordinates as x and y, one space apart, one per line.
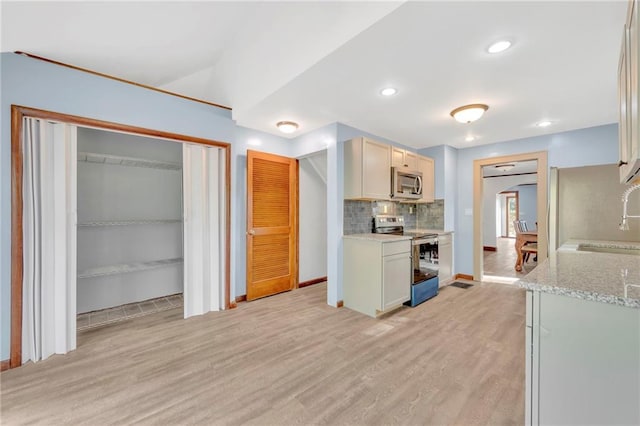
251 232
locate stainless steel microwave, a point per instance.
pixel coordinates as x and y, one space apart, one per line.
406 183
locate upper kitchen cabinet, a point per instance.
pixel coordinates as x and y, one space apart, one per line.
426 166
404 158
629 92
367 169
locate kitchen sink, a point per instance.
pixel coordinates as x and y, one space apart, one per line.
615 250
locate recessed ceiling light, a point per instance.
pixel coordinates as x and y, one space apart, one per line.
287 126
469 113
545 123
470 138
388 91
499 46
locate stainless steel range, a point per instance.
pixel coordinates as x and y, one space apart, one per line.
424 256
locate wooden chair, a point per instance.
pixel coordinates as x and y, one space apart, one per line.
525 228
528 248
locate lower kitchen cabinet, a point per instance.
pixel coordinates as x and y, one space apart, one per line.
445 258
376 273
583 361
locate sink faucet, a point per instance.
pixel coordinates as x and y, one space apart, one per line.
624 226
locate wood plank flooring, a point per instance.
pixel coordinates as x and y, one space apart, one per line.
501 264
289 359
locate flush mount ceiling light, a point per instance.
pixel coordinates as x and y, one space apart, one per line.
545 123
287 126
470 138
469 113
388 91
499 46
504 167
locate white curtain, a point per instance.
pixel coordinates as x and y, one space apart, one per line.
49 239
204 225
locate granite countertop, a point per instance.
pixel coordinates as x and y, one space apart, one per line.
601 277
377 237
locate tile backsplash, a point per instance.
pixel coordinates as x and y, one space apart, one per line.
431 215
358 215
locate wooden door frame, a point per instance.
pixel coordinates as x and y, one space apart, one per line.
541 196
17 267
511 194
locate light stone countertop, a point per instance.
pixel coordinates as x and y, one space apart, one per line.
601 277
431 231
377 237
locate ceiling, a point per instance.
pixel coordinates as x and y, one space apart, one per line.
321 62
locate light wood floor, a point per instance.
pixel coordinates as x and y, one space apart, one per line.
501 263
289 359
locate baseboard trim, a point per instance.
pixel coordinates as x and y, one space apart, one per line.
464 277
311 282
490 248
4 364
234 303
340 304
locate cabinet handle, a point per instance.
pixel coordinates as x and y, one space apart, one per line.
622 163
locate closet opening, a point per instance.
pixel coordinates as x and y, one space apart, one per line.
111 221
129 227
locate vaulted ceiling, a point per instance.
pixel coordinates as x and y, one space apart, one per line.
321 62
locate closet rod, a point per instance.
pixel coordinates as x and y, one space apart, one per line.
96 223
118 160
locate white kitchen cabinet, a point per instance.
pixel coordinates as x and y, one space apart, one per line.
583 361
403 158
445 258
376 274
367 169
629 94
426 166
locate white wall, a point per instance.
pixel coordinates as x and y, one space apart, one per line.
446 180
491 187
313 217
501 211
527 203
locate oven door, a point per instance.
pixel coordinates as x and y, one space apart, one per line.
425 259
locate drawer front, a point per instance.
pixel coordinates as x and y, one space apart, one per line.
396 247
423 291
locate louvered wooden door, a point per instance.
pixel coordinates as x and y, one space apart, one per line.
272 217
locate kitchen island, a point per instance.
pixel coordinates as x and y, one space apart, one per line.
583 335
